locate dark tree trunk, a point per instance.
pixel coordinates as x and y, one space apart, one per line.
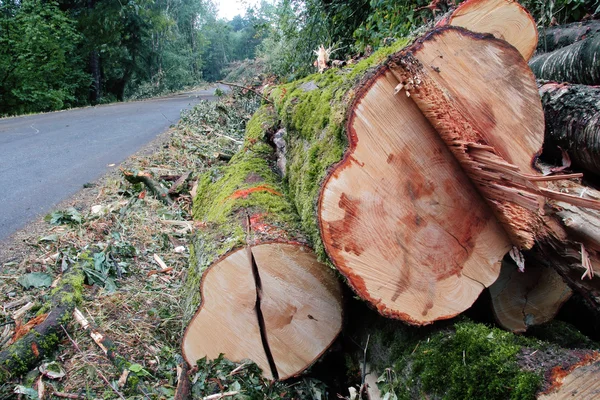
576 63
573 123
555 37
96 92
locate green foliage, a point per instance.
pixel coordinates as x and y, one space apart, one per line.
70 216
470 361
561 11
40 69
215 376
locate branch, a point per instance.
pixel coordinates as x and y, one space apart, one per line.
247 88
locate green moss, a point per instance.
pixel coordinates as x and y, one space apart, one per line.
315 120
467 361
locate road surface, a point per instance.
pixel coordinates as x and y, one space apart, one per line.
46 158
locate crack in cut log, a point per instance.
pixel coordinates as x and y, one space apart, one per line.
259 314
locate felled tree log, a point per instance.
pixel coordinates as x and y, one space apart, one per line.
521 299
572 115
505 19
576 63
474 361
555 37
265 296
43 339
386 193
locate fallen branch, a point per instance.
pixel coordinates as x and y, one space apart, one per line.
220 395
143 177
177 187
41 340
246 88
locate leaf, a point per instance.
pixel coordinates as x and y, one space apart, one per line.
29 392
52 370
49 238
35 279
138 370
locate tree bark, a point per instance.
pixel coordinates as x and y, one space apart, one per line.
576 63
572 114
556 37
264 294
43 339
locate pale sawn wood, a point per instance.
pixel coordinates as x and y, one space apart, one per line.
300 303
528 298
400 219
505 19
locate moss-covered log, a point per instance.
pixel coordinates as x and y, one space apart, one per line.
467 360
264 294
572 123
576 63
555 37
43 339
378 191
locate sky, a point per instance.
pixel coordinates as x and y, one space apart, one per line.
230 8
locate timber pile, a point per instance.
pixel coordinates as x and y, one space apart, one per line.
414 174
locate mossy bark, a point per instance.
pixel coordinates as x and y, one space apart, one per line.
572 123
247 189
42 340
462 360
576 63
556 37
314 111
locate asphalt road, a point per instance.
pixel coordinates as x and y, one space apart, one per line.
46 158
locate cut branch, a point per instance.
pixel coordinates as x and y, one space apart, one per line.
156 188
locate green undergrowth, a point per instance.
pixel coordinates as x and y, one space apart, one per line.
314 111
466 360
244 381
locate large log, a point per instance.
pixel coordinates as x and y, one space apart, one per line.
505 19
555 37
467 360
576 63
386 196
572 115
265 296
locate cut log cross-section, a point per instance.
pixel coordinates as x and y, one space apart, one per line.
505 19
265 297
532 297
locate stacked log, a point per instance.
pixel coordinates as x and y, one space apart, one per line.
414 172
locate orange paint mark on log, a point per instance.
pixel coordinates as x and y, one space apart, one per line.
244 193
35 350
558 373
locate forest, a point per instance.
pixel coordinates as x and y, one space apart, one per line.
67 53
